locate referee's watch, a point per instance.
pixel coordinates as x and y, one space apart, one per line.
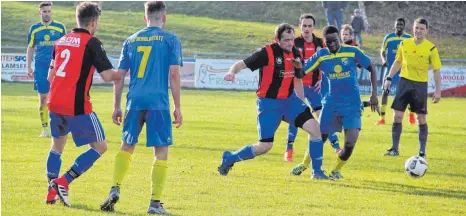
388 78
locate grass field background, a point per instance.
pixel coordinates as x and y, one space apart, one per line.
219 120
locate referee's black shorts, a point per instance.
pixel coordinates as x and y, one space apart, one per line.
412 93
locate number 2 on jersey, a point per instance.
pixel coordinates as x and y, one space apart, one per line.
65 54
145 56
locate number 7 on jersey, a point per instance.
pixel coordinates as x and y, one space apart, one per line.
145 56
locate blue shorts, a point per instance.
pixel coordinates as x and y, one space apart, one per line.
395 79
84 128
41 84
332 120
313 97
271 111
158 127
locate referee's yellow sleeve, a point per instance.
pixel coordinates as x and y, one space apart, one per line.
435 59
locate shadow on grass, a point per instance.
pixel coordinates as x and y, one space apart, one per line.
98 211
403 188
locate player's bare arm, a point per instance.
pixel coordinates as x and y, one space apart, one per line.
373 99
118 85
29 55
111 75
395 67
175 86
438 90
234 69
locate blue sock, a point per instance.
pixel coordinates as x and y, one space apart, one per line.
316 152
53 165
333 138
292 133
82 164
423 132
245 153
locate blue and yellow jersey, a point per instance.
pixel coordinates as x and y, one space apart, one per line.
148 55
42 37
339 87
390 44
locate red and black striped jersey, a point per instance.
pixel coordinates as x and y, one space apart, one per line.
308 49
276 71
75 58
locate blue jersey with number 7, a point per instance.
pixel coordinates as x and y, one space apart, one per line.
148 55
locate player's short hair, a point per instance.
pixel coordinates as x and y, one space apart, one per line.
155 9
45 4
307 16
329 30
347 27
401 19
422 20
284 27
86 12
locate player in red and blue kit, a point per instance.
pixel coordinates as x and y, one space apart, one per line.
278 77
387 53
341 99
41 38
75 58
153 57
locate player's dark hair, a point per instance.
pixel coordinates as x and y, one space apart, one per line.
284 27
422 21
155 9
329 30
86 12
401 19
45 4
307 16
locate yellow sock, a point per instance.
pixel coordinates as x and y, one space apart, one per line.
122 162
382 111
339 165
306 160
44 116
159 176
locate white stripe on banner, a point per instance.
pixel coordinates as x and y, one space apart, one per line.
96 127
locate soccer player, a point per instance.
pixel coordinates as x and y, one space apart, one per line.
347 35
278 77
387 53
414 56
41 37
340 91
307 43
152 56
75 57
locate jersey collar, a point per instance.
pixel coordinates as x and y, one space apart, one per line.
81 30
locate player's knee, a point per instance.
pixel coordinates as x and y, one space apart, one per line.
161 153
313 129
345 154
100 147
127 147
303 118
422 119
398 117
262 147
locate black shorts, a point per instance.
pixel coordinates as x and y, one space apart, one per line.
412 93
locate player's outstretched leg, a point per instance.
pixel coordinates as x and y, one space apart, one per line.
292 133
351 137
247 152
316 147
122 164
81 165
383 108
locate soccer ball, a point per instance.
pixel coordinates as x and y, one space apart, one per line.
416 166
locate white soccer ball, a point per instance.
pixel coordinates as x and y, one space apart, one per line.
416 166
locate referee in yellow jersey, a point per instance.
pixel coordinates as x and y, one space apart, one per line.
414 56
